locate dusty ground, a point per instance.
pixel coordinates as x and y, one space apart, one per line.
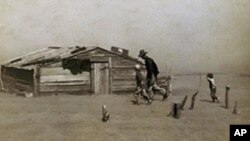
77 118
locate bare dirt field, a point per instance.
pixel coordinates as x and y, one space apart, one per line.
77 118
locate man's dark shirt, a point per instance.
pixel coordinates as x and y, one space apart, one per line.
151 67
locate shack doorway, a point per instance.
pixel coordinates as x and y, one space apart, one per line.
100 77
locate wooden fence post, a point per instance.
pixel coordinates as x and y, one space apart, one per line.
105 114
183 102
193 100
227 97
175 111
235 110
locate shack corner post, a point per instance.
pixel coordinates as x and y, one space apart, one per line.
36 79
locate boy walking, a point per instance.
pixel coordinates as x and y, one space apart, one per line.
140 85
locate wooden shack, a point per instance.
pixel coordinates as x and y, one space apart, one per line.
71 70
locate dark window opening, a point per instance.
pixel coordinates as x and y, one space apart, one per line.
76 66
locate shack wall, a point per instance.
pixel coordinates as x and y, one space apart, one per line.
123 74
17 79
121 70
58 80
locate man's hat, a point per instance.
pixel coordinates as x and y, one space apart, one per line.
142 53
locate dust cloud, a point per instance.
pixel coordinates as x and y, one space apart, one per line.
185 35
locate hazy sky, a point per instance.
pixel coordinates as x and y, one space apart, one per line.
191 35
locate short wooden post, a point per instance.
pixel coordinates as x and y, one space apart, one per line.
235 110
105 114
36 78
183 102
193 100
227 97
176 110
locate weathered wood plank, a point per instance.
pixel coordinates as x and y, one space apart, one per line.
128 61
62 78
123 77
24 87
99 59
13 80
19 86
71 83
57 88
121 88
84 82
33 56
85 92
118 61
54 65
124 83
94 54
64 89
55 71
122 66
123 71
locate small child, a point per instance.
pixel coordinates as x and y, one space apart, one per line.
212 87
140 85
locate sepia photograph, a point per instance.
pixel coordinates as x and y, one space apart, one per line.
124 70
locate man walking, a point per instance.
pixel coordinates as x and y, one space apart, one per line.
152 73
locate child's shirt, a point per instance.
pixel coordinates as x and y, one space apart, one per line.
139 79
211 83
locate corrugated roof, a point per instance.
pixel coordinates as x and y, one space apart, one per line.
54 54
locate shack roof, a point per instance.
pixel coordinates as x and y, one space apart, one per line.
54 55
